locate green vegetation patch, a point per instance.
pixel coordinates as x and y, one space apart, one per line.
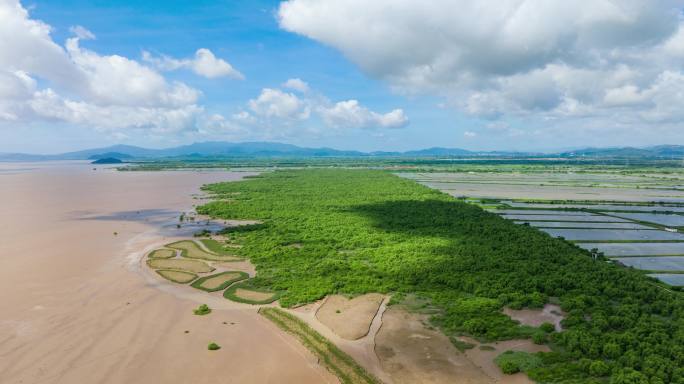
192 250
218 248
219 281
180 277
247 293
461 345
511 362
370 231
194 266
213 347
202 310
162 253
336 361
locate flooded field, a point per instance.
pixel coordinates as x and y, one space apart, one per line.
613 234
541 212
567 178
570 224
600 207
662 219
636 249
661 263
673 279
587 218
621 214
553 186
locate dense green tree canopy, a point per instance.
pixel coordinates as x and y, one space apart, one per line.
358 231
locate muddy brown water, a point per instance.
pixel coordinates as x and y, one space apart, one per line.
75 306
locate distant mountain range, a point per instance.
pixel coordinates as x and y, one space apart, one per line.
217 149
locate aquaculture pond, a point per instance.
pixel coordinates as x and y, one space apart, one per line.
613 234
673 279
596 218
602 207
660 263
636 249
569 224
540 212
662 219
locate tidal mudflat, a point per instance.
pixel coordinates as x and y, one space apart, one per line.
88 313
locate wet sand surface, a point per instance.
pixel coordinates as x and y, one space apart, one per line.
76 306
349 318
551 313
411 353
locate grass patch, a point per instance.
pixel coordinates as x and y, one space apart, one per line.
339 363
218 248
162 254
192 250
193 266
246 292
179 277
219 281
202 310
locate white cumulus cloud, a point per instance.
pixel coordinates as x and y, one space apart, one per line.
205 63
588 61
350 113
274 106
274 103
118 80
82 33
297 85
41 80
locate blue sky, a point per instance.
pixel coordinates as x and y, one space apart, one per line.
387 76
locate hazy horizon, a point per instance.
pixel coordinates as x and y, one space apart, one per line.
543 151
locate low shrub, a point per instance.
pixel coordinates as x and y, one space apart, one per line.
515 361
461 345
539 337
202 310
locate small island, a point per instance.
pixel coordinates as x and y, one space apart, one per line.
107 160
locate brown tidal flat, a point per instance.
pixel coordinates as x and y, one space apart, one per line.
76 306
